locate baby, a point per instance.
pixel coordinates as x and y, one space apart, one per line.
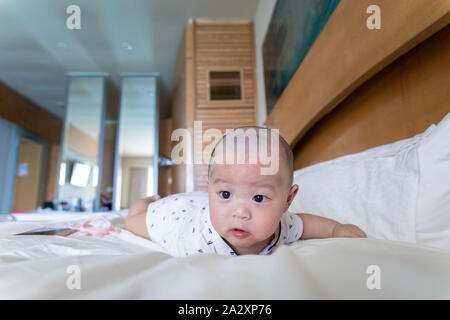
245 210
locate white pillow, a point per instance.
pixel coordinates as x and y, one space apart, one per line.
375 189
433 207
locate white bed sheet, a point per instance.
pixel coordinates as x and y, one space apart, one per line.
125 266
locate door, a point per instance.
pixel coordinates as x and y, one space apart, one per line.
28 175
138 185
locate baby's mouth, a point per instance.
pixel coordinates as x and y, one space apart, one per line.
239 234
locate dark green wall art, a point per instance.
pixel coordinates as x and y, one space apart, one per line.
294 26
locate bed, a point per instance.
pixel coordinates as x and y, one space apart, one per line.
124 266
404 257
371 143
406 254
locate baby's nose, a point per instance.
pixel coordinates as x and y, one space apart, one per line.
241 212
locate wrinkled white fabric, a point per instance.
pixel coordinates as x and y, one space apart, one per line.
125 266
433 205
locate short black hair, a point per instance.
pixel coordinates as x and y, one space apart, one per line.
284 144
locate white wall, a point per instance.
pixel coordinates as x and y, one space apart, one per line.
9 144
262 20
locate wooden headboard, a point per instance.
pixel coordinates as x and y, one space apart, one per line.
359 88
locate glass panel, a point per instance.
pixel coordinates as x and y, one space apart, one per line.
78 177
225 85
136 174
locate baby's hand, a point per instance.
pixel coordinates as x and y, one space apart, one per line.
347 231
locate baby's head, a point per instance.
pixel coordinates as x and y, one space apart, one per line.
246 198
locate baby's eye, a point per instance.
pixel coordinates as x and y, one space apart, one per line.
225 194
259 198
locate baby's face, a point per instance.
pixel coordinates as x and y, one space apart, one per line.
245 206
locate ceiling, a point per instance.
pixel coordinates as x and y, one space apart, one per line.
37 50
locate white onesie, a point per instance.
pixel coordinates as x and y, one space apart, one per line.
181 225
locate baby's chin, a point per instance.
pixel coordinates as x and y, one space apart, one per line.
245 241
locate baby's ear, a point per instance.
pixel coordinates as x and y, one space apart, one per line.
292 193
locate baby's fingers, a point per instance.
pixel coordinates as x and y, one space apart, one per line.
353 235
362 234
355 232
359 233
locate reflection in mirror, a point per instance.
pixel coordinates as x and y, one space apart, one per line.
136 166
80 157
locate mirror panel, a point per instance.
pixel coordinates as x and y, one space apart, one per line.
136 174
80 156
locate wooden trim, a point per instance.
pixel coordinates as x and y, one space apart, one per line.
347 53
190 74
51 172
165 173
255 75
178 109
191 102
202 21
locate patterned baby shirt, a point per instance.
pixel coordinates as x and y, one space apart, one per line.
181 225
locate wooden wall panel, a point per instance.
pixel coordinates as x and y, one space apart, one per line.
211 44
201 177
221 119
51 172
182 111
224 46
109 151
399 102
29 116
347 53
165 149
228 118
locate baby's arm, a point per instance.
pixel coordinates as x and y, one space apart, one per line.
135 221
319 227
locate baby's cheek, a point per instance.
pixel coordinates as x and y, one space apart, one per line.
217 220
267 226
